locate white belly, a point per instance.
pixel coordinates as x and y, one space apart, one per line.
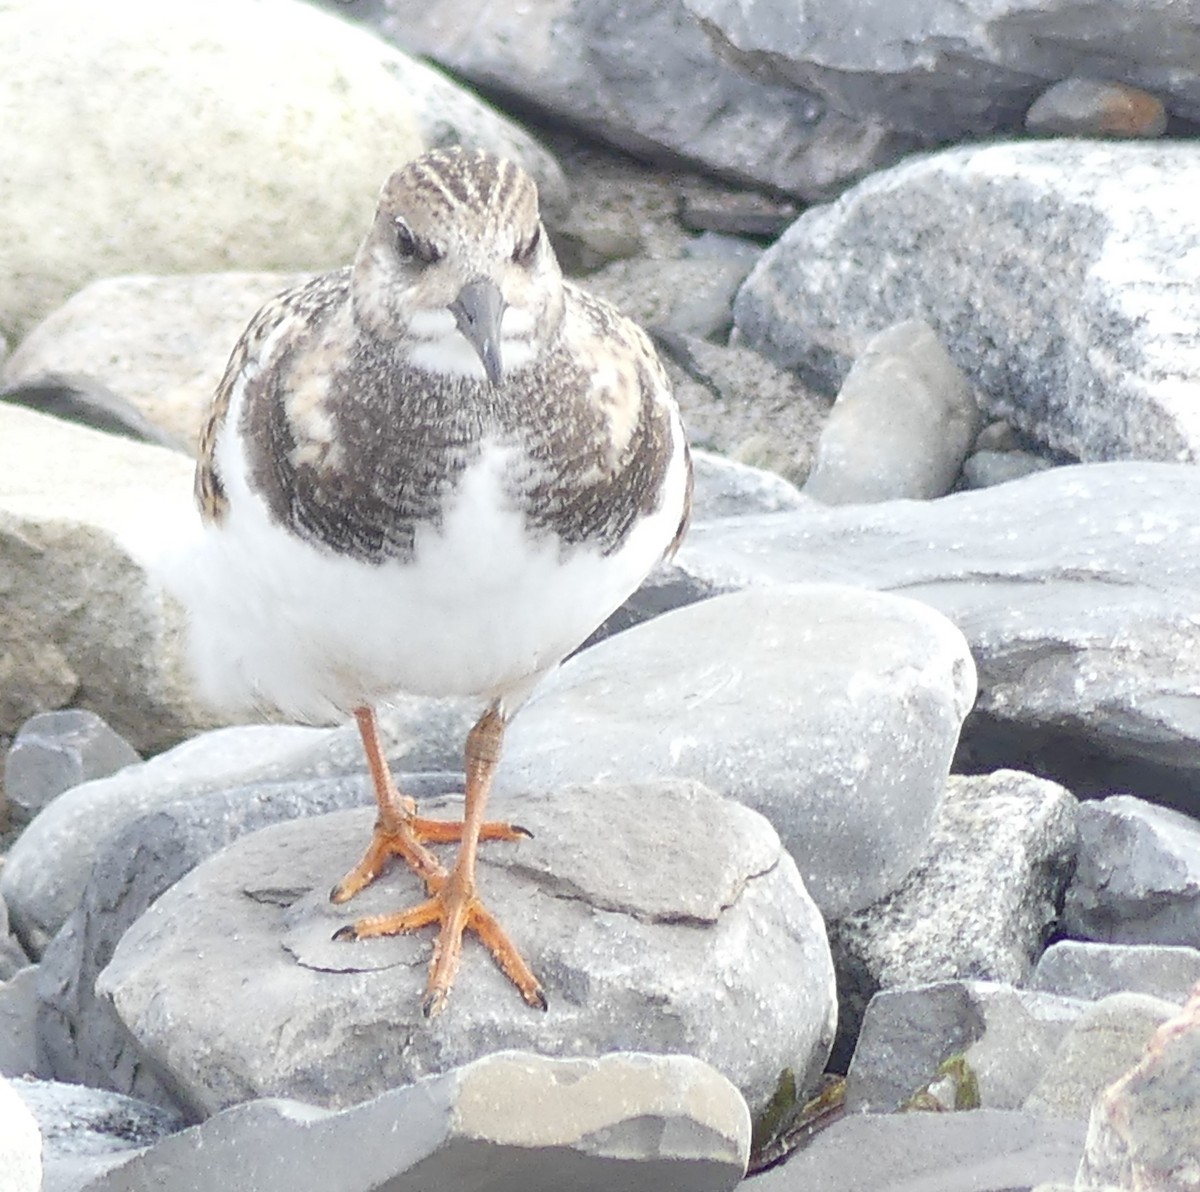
482 609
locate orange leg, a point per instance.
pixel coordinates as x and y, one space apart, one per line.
453 901
399 831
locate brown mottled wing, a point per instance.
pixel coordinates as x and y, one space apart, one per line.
296 303
686 518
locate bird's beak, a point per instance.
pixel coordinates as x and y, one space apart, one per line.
478 310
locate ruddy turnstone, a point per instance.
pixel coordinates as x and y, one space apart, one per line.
435 471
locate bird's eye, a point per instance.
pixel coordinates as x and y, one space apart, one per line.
525 249
412 248
406 242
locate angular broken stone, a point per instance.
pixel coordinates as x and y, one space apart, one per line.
1138 878
979 904
659 918
508 1122
1005 1036
1080 969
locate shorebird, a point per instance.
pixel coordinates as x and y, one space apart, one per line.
435 471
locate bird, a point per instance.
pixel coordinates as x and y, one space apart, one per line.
433 471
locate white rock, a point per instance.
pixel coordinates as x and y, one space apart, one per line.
162 343
85 517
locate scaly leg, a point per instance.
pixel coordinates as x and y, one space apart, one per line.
399 831
453 901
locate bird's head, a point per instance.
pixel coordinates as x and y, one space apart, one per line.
457 270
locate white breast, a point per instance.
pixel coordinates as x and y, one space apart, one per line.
482 609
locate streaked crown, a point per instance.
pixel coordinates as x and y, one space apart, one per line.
457 243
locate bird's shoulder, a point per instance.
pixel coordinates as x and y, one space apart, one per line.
282 327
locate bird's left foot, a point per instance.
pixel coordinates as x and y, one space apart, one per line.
406 838
454 904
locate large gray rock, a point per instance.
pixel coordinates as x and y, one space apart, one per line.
833 712
947 68
902 424
135 94
508 1122
990 1149
643 76
48 866
1006 1037
1075 588
84 518
79 1037
1144 1127
1077 969
1106 1040
161 343
978 905
1138 878
298 117
1059 275
659 918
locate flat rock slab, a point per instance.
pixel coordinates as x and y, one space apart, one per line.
659 917
509 1122
1060 276
1075 588
990 1149
832 711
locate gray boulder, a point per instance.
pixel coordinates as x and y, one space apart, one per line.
1058 274
831 711
84 519
979 904
902 424
1005 1036
1138 878
644 77
656 916
1091 971
18 1023
945 69
509 1122
79 1038
135 94
1075 588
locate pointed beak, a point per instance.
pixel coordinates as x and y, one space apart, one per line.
478 310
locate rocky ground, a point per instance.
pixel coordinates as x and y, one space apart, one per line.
866 847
